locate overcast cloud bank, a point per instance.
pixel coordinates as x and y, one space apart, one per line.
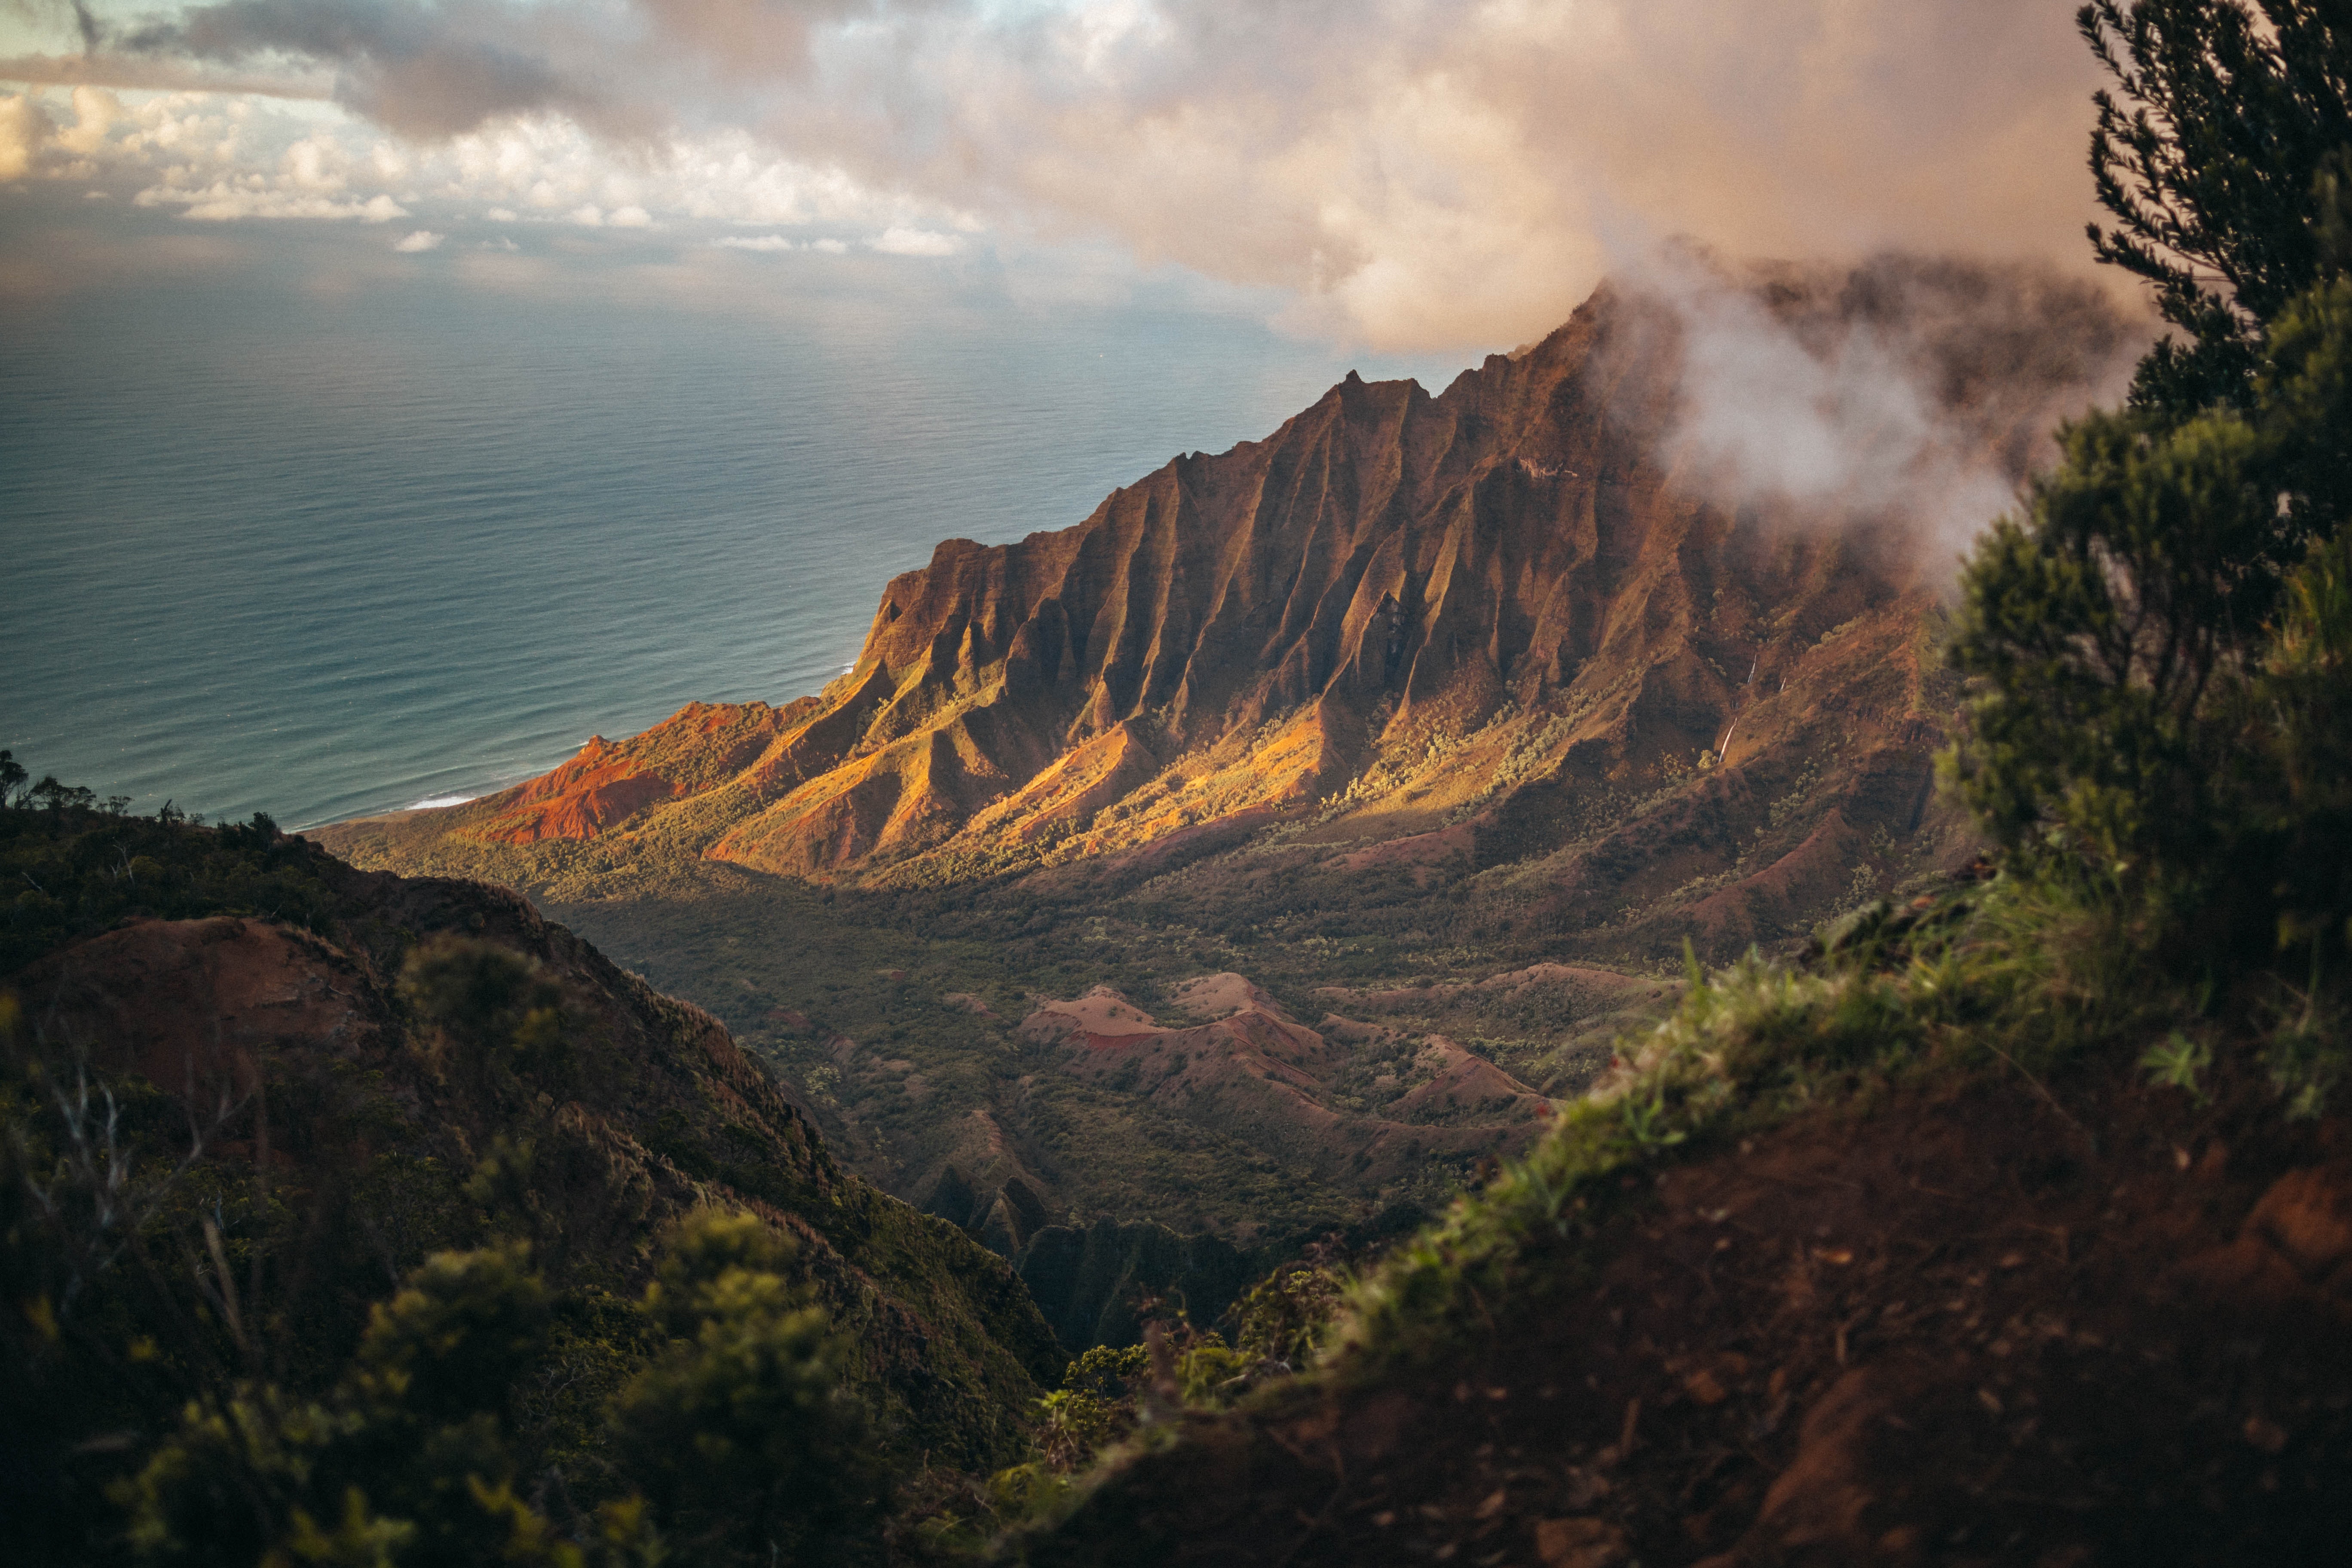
1412 173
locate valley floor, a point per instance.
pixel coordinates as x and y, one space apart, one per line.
897 1020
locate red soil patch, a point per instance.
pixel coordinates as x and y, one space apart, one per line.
600 786
1465 1081
1100 1017
1262 1075
187 1004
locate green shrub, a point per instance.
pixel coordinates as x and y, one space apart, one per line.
2155 647
492 1011
736 1445
410 1459
739 1435
1281 1320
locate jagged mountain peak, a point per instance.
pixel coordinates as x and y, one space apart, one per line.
1610 562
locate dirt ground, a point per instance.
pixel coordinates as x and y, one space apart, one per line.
1983 1326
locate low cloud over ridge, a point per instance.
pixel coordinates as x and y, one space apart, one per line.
1416 174
1909 396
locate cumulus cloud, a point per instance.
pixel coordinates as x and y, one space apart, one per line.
423 240
1412 172
765 242
223 202
23 128
214 160
96 113
230 157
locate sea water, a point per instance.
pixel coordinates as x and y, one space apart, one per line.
328 556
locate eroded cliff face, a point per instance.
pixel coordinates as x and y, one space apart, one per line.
1527 622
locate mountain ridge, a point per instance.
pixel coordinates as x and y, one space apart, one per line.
1269 634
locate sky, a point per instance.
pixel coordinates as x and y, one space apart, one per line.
1404 176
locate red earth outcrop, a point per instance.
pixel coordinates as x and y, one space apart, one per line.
611 783
1347 1103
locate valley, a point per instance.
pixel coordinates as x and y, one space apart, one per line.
1434 726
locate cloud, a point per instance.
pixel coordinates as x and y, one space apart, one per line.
423 72
23 128
1411 173
1917 393
222 157
96 113
424 239
903 241
218 161
763 242
224 203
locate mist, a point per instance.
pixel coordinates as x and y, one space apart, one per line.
1908 397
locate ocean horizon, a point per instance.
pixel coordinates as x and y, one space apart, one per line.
328 557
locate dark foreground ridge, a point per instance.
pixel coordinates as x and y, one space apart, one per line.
1958 1328
284 1111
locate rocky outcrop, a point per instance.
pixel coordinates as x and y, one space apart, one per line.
610 783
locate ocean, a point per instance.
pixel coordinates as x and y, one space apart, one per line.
326 554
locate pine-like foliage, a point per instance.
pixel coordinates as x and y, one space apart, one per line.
2127 721
2206 153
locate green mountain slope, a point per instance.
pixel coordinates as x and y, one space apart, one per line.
268 1084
